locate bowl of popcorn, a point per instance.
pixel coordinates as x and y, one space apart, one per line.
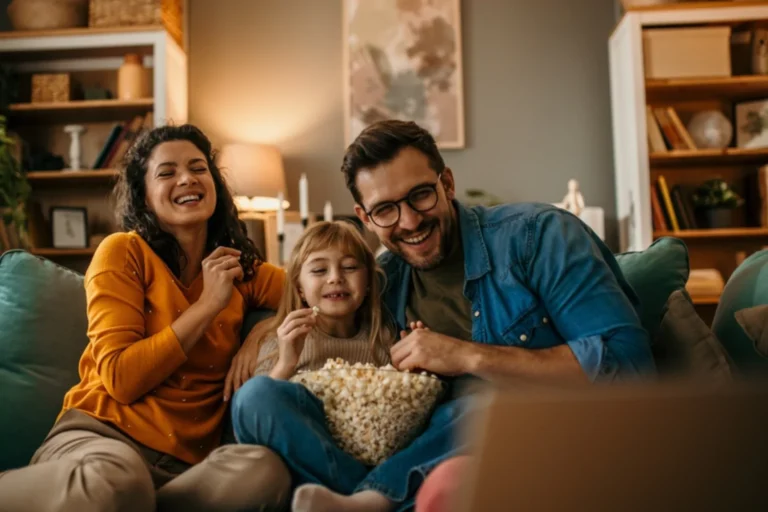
372 411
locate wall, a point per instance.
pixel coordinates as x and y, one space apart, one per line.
536 92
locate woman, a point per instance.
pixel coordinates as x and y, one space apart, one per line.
166 300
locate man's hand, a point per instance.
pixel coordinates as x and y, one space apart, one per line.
423 349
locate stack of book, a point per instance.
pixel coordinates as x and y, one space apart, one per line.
672 209
120 140
666 131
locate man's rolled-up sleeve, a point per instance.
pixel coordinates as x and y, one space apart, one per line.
579 287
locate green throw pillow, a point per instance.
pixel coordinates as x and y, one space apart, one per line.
42 334
654 274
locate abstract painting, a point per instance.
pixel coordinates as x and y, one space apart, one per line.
402 60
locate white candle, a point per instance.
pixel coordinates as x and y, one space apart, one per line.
280 214
303 197
328 212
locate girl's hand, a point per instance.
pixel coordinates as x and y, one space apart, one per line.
220 269
413 326
290 340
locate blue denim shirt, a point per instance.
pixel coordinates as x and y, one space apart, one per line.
538 277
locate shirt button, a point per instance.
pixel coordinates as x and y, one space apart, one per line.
545 320
183 399
477 314
183 377
523 337
211 367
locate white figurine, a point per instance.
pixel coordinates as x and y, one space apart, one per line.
74 131
573 200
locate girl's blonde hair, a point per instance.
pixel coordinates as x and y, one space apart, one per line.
347 238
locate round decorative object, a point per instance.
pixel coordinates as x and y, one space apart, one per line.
711 130
48 14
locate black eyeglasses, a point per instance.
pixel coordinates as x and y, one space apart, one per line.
421 199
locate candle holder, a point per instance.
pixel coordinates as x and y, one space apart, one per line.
280 247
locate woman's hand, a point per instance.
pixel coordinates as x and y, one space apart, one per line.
290 341
220 270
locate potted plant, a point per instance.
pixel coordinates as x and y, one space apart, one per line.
715 201
14 191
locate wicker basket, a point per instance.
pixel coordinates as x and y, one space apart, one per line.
121 13
51 88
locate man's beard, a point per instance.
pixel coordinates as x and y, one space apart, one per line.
419 263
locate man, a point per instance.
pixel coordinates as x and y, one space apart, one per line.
514 292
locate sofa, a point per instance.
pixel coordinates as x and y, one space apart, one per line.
43 332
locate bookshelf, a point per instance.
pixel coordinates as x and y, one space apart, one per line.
91 57
638 169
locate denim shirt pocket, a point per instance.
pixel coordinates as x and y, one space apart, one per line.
533 329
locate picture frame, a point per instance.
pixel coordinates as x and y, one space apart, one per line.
404 60
262 229
69 227
751 124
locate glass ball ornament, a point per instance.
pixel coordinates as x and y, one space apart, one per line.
710 130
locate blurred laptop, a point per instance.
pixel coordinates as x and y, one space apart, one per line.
657 448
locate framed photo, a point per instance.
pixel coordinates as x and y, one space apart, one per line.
69 227
403 60
262 229
752 124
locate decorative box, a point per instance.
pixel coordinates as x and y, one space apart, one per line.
47 88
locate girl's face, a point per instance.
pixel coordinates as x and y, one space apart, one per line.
335 282
179 185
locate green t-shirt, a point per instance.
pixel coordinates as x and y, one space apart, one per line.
436 297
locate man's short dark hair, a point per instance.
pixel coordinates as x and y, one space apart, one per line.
381 142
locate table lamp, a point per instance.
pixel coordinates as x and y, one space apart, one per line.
255 174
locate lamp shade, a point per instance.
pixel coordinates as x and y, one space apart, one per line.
255 172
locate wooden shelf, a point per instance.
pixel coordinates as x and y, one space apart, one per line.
80 31
714 233
727 87
687 6
710 156
81 111
81 105
103 176
49 252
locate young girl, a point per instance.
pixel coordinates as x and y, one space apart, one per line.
331 308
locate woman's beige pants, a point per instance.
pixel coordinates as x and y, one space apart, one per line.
84 465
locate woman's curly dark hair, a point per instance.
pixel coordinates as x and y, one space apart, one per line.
224 226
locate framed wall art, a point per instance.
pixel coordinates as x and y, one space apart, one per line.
403 60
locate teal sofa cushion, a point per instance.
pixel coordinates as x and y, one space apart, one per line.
746 288
655 274
42 334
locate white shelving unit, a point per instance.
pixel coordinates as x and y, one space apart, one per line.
95 49
632 161
94 56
